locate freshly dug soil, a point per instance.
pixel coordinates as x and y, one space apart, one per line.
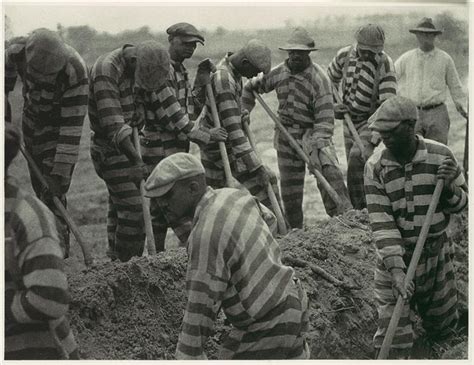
134 310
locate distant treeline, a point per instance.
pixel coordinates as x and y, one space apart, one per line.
330 33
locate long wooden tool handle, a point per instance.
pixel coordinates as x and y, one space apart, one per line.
217 124
351 126
271 194
392 326
329 189
150 237
466 152
88 260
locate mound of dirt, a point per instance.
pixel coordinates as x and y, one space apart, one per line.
134 310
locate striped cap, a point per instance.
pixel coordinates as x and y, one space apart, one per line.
258 55
370 37
153 65
46 53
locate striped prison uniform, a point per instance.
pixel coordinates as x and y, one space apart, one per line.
365 85
397 199
111 107
304 104
53 116
36 288
167 130
240 271
227 87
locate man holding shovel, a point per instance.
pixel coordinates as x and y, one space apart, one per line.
54 78
306 110
226 83
399 184
367 78
112 115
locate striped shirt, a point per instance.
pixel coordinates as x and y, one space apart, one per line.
425 77
238 270
304 98
111 99
190 99
163 112
398 198
359 82
36 288
60 104
227 87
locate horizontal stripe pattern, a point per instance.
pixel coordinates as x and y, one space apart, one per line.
304 98
360 78
60 103
398 198
227 87
240 271
36 285
111 100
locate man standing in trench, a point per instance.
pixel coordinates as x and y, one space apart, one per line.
399 181
238 270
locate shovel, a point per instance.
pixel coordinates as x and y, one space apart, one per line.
392 326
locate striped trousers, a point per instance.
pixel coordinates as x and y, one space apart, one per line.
356 163
155 146
215 176
435 297
125 226
292 174
40 142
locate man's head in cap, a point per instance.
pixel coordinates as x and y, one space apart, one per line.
370 40
177 183
426 33
253 58
298 46
46 54
183 38
395 121
152 65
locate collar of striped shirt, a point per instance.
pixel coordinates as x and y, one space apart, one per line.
387 158
178 66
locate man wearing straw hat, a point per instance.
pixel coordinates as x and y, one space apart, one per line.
367 77
54 78
234 264
425 74
112 115
246 166
399 181
306 110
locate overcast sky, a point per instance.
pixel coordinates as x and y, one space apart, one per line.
115 17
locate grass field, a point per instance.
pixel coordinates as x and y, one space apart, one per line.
88 198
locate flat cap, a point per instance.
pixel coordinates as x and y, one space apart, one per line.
299 41
259 55
45 52
153 65
173 168
186 31
370 37
426 26
391 113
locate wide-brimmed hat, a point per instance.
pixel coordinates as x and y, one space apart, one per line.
153 65
370 37
426 26
299 41
46 53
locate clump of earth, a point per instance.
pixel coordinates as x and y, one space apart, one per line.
134 310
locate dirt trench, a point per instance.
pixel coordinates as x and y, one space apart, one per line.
134 310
